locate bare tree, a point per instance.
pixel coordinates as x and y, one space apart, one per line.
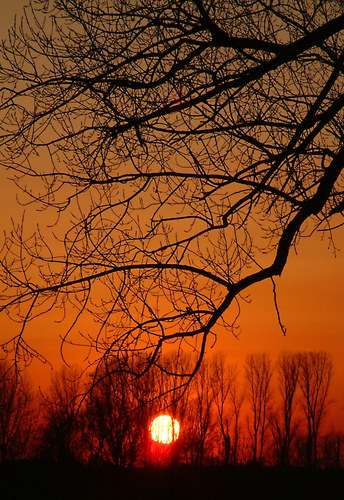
316 370
284 425
237 397
223 380
17 413
121 407
112 417
172 396
258 373
183 148
332 450
63 437
199 421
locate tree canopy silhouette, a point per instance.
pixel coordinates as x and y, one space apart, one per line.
183 148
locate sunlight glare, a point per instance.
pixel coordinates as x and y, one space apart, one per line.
164 429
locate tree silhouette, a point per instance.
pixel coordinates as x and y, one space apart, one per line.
258 373
63 427
106 420
284 425
112 413
333 450
199 417
316 370
227 404
17 413
237 397
180 149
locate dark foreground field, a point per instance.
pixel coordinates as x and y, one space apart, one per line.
34 480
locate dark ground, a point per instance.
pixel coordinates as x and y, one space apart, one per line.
36 480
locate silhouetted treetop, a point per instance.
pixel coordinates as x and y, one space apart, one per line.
179 149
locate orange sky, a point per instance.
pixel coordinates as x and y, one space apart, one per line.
311 298
310 293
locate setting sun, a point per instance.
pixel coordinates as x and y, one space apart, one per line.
164 429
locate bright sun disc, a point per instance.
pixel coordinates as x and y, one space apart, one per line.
164 429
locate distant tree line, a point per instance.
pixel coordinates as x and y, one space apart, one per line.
264 413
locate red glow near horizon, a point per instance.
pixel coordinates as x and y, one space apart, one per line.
164 429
